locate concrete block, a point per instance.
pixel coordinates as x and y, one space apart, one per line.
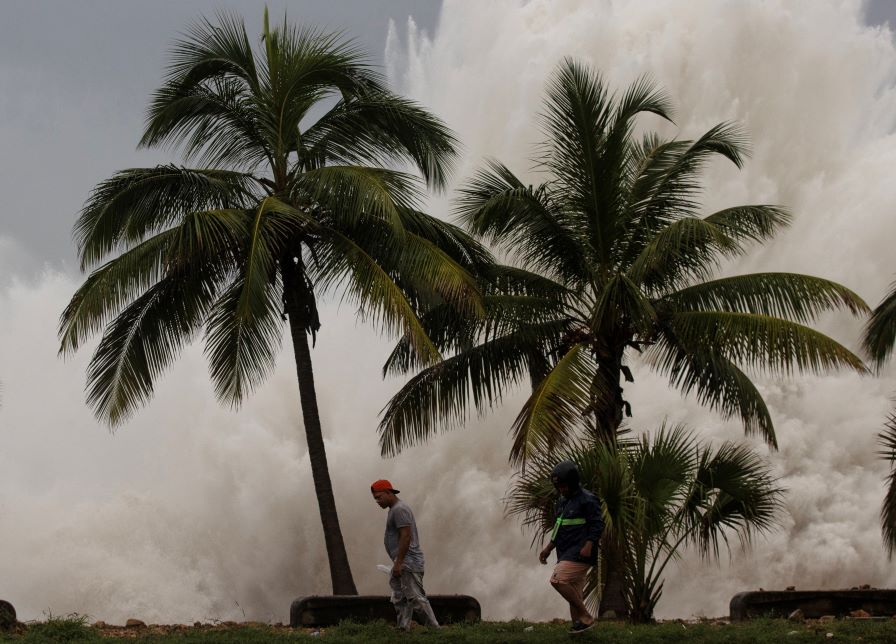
813 603
329 610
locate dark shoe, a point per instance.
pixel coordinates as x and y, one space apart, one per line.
580 627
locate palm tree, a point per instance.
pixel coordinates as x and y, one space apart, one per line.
612 256
661 493
282 209
878 341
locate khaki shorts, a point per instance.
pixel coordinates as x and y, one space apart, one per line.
573 573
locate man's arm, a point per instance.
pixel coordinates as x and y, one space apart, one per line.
546 551
594 527
404 542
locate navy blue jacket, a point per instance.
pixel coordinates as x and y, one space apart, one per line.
582 520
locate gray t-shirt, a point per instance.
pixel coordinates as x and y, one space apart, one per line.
400 515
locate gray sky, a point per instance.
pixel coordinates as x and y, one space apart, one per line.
75 78
881 11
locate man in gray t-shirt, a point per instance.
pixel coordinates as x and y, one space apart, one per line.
403 547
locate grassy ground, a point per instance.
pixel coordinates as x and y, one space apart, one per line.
75 629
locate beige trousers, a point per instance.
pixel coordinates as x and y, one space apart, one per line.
407 596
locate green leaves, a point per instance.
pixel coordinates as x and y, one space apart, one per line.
209 246
762 342
620 300
143 340
887 441
877 342
555 411
613 245
441 395
880 332
496 206
659 494
134 203
717 382
377 295
244 327
799 298
377 127
345 193
691 248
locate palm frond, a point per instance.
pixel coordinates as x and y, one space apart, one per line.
307 63
800 298
887 441
642 96
244 328
441 395
462 247
621 299
556 407
134 203
143 340
346 193
213 124
110 288
381 128
661 464
687 249
417 264
208 50
302 67
736 492
509 280
763 342
520 219
756 223
616 155
210 239
675 191
453 331
880 332
577 118
717 382
344 264
663 182
424 272
690 249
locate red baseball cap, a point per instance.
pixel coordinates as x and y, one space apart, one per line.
382 484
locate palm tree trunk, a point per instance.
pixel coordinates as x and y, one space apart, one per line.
613 565
296 300
608 418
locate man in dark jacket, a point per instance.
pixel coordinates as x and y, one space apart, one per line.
577 529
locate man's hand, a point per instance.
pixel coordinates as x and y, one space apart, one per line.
545 553
396 568
585 552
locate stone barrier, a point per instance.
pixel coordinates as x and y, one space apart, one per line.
329 610
7 616
813 603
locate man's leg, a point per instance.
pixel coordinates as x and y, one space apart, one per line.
579 586
568 580
403 608
412 587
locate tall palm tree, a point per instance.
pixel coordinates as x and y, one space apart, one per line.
612 256
661 493
878 341
290 200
